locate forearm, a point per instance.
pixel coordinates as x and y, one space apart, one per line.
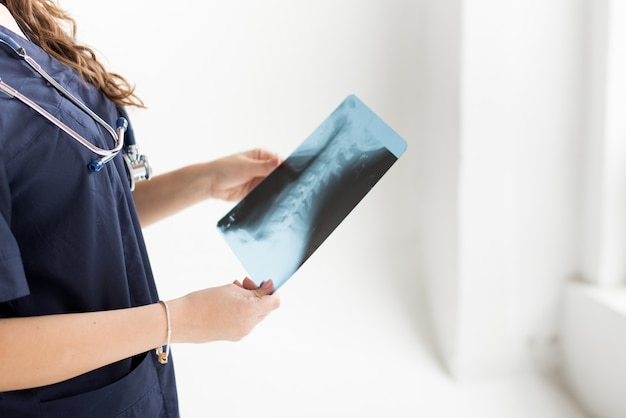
169 193
229 178
42 350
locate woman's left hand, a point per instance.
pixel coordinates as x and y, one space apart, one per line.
233 177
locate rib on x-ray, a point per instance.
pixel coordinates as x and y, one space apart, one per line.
281 223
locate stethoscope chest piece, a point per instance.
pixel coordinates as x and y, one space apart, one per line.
137 166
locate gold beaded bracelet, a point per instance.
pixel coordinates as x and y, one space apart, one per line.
163 355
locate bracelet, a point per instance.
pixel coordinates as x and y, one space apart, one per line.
163 355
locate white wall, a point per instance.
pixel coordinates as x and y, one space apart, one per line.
593 326
503 222
437 183
605 189
522 135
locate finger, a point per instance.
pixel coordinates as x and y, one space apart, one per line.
260 154
249 284
238 283
266 288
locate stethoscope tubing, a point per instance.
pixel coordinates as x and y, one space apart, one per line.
10 91
117 135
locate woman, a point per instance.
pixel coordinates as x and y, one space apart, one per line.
79 313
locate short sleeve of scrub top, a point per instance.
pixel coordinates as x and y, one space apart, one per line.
71 241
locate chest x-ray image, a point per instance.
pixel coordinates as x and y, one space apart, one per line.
281 223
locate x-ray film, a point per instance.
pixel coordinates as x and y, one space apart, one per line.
281 223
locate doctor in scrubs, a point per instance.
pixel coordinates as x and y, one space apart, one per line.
82 330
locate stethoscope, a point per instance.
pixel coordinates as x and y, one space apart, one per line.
137 166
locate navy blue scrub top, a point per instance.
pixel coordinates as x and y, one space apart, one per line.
71 241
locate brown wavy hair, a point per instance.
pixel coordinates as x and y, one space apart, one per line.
43 21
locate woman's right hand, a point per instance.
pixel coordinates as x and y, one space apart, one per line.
227 312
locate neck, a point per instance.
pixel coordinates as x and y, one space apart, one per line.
7 20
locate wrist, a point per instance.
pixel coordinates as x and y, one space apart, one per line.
163 352
199 181
182 318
